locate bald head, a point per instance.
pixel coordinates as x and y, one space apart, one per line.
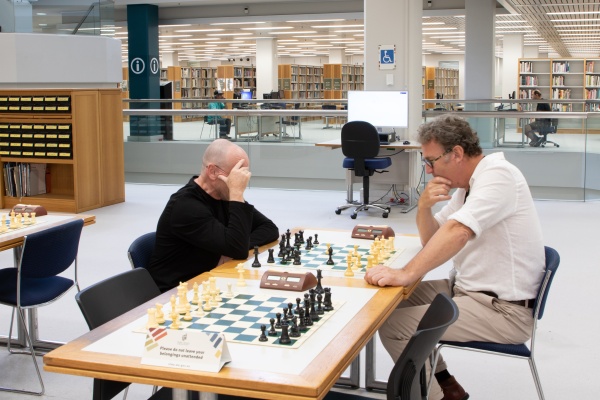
224 153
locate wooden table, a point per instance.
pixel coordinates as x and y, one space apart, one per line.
14 240
243 376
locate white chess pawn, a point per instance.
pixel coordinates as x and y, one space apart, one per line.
354 263
174 320
241 281
199 312
195 299
370 261
349 271
33 218
152 323
229 291
160 315
26 219
188 315
206 297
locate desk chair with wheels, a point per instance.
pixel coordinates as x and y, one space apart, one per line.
213 124
545 130
35 282
141 249
407 380
108 299
521 351
328 107
360 145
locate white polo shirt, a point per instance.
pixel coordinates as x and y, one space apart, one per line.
506 256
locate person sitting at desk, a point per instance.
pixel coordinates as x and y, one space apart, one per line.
208 221
491 231
224 123
539 122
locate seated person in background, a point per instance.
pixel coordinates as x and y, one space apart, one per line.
224 123
489 228
207 221
534 126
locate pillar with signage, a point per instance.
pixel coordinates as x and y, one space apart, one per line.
144 71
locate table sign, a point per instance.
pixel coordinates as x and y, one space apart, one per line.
187 349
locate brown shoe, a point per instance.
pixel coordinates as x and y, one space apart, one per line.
452 390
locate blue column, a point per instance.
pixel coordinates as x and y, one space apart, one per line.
144 69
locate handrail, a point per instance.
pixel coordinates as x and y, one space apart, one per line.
87 14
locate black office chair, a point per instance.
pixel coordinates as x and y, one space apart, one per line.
545 130
408 379
141 249
360 145
328 107
36 281
108 299
212 123
521 351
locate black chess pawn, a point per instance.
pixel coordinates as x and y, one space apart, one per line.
302 325
301 236
272 331
298 307
307 318
327 304
316 241
309 245
285 337
330 259
319 287
285 314
290 310
271 259
297 259
313 313
263 336
320 310
281 248
278 323
256 263
294 332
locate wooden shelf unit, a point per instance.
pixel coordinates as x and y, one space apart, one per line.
440 80
592 85
95 176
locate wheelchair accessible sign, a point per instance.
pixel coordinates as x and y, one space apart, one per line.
387 57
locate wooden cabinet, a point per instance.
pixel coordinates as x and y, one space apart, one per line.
88 172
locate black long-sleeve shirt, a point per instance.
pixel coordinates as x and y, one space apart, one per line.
195 230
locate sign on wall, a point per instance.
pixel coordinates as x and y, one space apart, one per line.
387 56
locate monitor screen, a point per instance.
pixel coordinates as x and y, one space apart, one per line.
378 107
275 95
246 95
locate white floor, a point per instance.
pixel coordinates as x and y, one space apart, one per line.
566 350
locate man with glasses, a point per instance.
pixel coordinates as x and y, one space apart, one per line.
489 228
208 221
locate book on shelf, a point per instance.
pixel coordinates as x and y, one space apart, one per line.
24 179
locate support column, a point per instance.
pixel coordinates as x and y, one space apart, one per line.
480 46
170 59
337 56
512 50
144 70
266 66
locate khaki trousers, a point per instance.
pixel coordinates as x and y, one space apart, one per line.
481 318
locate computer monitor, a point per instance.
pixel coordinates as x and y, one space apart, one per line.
381 108
246 95
276 95
236 96
266 96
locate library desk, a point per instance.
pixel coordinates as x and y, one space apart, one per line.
406 169
113 351
14 240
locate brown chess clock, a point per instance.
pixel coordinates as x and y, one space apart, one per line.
372 231
296 282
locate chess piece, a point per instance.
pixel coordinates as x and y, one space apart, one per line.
256 263
319 287
174 320
263 336
199 311
309 243
229 291
188 315
301 318
316 241
298 307
32 218
195 297
320 310
285 337
290 309
327 304
241 281
294 332
354 263
278 323
152 323
297 260
160 315
349 271
173 302
330 253
272 331
207 306
271 259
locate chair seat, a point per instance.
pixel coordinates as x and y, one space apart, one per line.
370 163
513 349
38 290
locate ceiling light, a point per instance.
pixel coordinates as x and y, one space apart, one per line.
237 23
267 28
511 22
199 30
338 26
317 20
575 20
432 23
290 32
229 34
349 30
449 28
572 12
174 36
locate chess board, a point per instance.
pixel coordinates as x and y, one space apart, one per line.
317 257
7 227
240 317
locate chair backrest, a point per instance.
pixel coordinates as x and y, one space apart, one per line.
51 251
406 380
141 249
116 295
360 140
552 262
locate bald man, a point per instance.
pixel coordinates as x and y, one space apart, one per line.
208 220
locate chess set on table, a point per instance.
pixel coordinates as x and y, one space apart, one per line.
14 221
267 318
350 257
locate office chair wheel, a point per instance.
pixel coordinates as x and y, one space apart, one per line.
557 145
338 211
353 216
385 215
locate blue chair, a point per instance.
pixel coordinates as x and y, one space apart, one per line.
141 249
35 282
407 380
360 145
521 351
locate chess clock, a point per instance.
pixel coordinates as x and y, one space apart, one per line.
283 280
372 231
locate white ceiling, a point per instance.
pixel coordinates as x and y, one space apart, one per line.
225 29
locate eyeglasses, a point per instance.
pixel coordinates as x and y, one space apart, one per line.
430 163
216 166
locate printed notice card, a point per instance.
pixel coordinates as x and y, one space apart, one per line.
187 349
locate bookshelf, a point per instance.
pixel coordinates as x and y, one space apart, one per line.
592 84
77 133
300 81
440 80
